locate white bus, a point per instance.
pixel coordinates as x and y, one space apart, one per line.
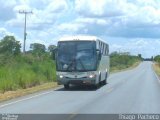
82 60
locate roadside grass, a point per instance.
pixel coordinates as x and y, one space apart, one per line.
15 92
124 68
156 68
27 74
22 73
21 92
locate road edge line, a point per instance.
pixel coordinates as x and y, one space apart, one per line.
10 103
24 99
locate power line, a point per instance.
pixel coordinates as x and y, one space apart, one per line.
25 34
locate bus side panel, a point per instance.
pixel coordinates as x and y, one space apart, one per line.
104 67
104 63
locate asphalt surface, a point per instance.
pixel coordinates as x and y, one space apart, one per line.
132 91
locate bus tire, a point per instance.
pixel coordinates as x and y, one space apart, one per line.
66 86
99 80
105 80
96 86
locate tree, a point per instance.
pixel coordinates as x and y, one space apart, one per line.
52 51
140 56
114 53
38 49
9 45
51 48
157 58
152 58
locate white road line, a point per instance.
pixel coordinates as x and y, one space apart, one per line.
4 105
72 116
110 90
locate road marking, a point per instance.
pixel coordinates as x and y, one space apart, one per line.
157 77
76 113
110 90
73 115
4 105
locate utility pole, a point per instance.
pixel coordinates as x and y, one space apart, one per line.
25 22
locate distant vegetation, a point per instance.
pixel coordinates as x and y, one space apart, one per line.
156 66
119 61
157 59
36 66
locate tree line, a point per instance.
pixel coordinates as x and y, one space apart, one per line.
119 61
157 59
9 45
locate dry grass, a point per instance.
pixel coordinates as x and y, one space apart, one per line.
21 92
156 68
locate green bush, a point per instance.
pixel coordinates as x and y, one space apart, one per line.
157 59
26 71
122 61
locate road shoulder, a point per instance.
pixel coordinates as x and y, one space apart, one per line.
23 92
156 69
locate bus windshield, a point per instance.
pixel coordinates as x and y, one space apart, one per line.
76 56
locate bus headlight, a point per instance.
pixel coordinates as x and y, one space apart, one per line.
61 76
92 76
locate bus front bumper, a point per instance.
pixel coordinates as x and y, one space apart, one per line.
77 81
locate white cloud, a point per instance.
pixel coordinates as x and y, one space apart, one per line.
124 17
57 6
147 48
40 17
99 21
70 27
6 11
4 32
99 8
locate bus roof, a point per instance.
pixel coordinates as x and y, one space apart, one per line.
78 37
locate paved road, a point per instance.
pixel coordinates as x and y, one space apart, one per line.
132 91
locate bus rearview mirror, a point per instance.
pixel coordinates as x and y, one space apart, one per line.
99 54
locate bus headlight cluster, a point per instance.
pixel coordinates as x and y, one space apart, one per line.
92 76
61 76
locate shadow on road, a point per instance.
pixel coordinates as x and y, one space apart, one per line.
80 88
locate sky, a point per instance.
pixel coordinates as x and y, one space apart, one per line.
126 25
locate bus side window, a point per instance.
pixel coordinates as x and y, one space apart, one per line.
102 49
105 50
99 46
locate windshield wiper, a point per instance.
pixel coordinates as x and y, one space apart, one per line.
82 64
73 60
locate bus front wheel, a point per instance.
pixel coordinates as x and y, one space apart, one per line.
104 82
66 86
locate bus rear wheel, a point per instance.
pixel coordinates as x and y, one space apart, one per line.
96 86
104 82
